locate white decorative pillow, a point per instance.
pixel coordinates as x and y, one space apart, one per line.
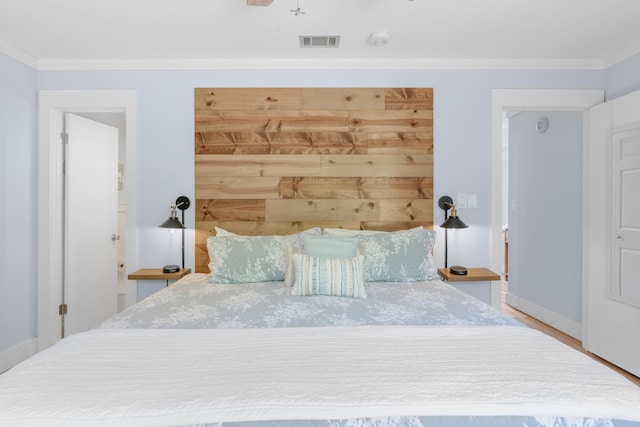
249 259
400 256
223 232
289 274
328 276
322 247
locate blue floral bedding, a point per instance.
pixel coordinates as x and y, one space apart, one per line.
192 302
514 421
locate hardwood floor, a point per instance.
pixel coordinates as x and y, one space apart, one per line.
566 339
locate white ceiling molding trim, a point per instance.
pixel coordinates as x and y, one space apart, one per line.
19 55
337 64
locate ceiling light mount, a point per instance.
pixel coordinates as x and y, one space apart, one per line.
297 11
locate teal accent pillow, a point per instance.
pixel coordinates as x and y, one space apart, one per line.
343 277
329 247
323 247
399 256
250 259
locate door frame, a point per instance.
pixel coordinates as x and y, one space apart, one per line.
503 100
51 106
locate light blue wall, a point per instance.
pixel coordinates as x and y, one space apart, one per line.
462 104
18 202
165 151
545 211
622 78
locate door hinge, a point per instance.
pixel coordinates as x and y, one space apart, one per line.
64 138
62 309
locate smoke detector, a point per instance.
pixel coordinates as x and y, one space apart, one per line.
379 38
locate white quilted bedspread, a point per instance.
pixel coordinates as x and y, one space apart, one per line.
168 377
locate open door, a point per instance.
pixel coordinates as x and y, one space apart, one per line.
612 233
90 224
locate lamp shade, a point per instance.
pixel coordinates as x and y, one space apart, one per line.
453 222
171 223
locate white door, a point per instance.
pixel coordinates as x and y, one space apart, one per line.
612 233
91 207
625 216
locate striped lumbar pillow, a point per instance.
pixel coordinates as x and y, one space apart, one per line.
328 276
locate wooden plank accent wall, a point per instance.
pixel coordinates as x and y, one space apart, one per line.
281 160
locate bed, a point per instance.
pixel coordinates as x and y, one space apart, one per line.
334 341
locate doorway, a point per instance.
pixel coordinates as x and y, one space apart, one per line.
504 100
544 215
52 104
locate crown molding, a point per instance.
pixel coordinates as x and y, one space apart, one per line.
322 64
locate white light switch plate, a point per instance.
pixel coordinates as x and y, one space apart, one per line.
472 200
462 201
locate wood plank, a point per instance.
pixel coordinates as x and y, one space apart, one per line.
420 210
317 143
408 98
279 143
248 99
356 188
377 165
343 99
201 264
238 187
390 121
399 142
230 210
231 143
273 121
395 225
322 210
209 165
413 150
313 143
321 188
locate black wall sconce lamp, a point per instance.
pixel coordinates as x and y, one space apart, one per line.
450 221
182 203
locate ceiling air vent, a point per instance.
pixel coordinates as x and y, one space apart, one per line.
319 41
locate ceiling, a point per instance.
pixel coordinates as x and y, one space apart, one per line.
229 34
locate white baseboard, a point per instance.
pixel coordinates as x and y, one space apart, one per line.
11 357
561 323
